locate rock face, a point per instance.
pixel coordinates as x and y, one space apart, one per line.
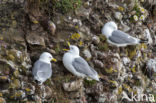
122 70
154 14
73 86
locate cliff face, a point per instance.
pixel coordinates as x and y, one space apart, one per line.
125 71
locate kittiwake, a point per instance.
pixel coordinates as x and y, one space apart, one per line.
118 37
77 65
42 69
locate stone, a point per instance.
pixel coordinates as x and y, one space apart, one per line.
38 99
83 12
102 98
2 100
125 28
101 55
151 68
19 94
125 60
29 88
98 63
16 73
51 27
118 15
151 64
96 40
148 36
77 22
87 54
15 83
34 39
48 93
73 86
74 95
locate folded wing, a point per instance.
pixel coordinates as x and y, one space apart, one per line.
120 37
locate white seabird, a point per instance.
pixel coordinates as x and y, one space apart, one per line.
118 37
42 69
77 65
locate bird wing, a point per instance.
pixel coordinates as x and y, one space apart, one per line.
82 66
42 69
120 37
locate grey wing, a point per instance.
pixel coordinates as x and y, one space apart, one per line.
120 37
42 68
82 66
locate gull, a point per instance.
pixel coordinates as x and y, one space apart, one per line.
77 65
117 37
42 69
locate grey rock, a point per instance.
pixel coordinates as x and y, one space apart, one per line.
73 86
125 60
87 54
83 12
148 36
118 15
98 63
96 40
48 93
102 98
34 39
2 100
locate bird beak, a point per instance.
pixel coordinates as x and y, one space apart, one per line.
68 45
54 60
66 49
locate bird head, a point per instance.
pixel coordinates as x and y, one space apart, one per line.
74 49
112 25
108 28
47 57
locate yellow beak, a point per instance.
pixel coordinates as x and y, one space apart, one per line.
54 60
66 49
68 45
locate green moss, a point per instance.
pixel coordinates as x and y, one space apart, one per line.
15 83
120 90
66 5
48 82
103 45
155 95
89 82
102 38
127 87
16 74
11 57
137 83
110 70
57 49
131 51
17 94
133 69
113 83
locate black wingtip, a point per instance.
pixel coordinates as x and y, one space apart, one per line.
102 80
143 40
